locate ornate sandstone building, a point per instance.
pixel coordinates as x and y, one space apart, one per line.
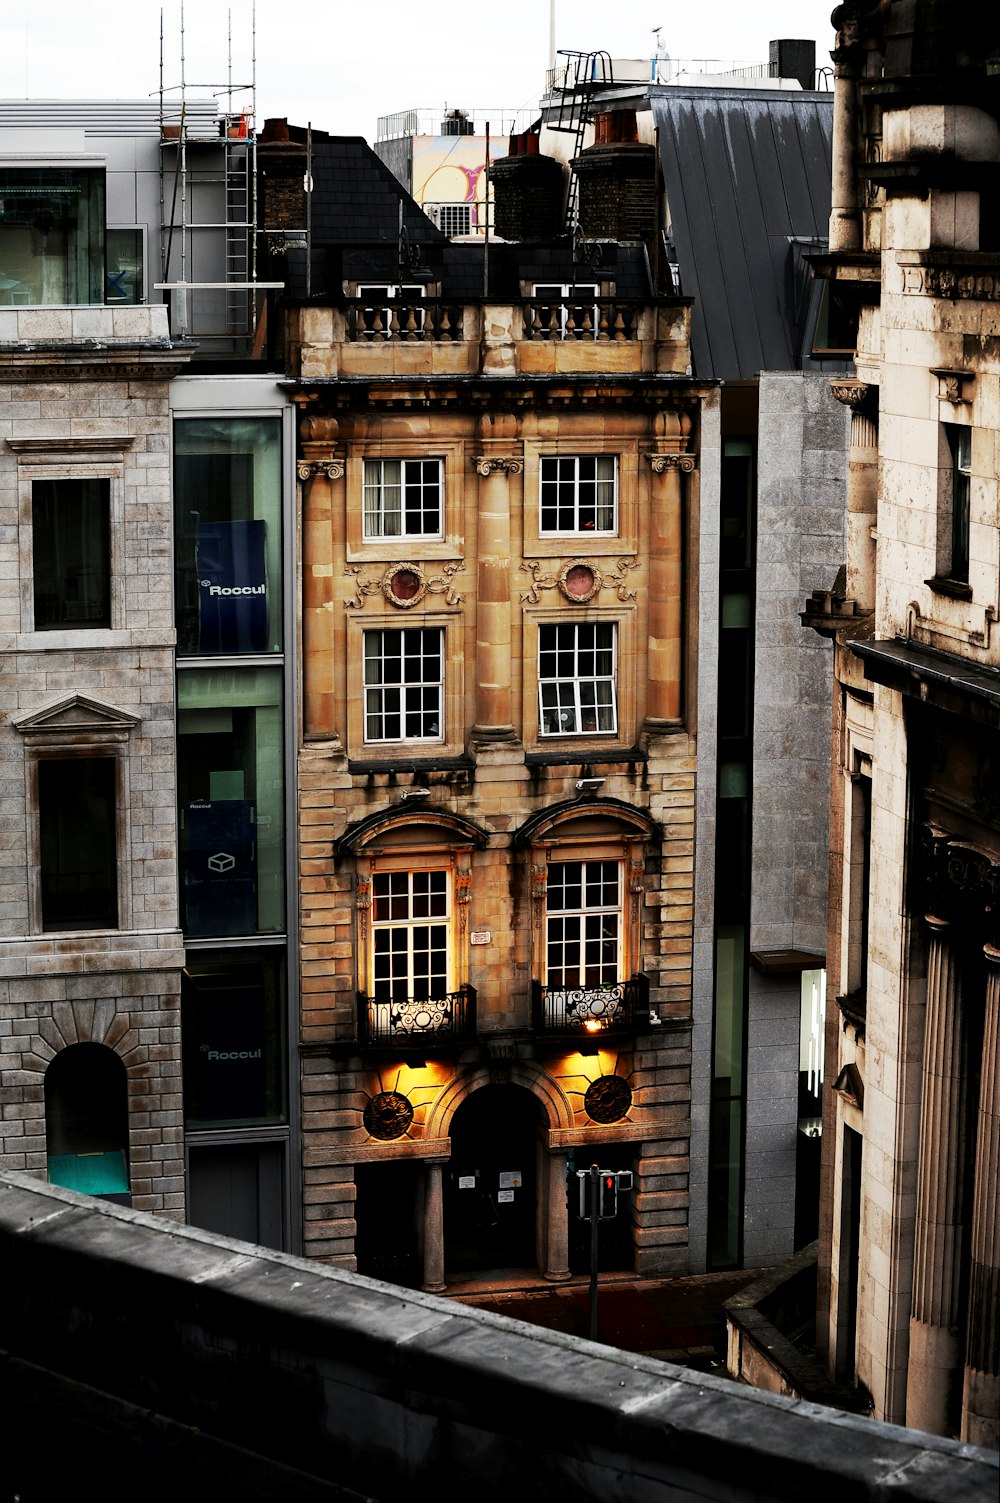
909 1249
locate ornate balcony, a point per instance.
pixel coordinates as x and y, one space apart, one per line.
590 1011
421 1023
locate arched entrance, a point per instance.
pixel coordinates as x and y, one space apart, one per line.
86 1121
491 1197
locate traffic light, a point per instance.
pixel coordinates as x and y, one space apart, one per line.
608 1195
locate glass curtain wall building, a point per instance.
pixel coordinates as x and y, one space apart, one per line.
232 485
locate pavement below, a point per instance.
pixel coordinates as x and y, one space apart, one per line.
676 1320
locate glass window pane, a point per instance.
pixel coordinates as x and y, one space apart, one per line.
124 280
233 1014
231 798
51 236
228 553
71 546
78 843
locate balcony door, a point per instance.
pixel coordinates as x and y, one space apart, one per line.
490 1183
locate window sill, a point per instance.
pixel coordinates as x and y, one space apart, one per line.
955 589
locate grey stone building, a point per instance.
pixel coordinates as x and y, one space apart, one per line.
909 1247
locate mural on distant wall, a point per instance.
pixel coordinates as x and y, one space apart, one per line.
452 170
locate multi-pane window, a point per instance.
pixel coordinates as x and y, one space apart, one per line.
71 547
583 924
576 679
402 498
78 843
404 684
409 935
578 494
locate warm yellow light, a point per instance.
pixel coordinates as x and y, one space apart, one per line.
592 1027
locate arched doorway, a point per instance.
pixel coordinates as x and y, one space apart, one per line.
86 1121
491 1202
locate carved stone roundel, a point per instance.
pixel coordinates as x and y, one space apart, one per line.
608 1098
388 1115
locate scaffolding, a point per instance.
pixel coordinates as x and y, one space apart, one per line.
208 193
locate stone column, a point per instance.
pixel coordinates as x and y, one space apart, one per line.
981 1397
323 550
434 1228
557 1219
934 1357
666 512
494 721
845 211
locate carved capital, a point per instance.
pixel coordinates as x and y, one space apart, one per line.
660 463
486 463
852 394
308 469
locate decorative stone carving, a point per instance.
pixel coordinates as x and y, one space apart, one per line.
388 1115
852 394
568 580
947 282
608 1099
404 585
463 896
308 469
660 463
487 463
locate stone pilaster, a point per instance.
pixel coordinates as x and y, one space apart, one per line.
666 511
494 721
981 1397
324 514
934 1357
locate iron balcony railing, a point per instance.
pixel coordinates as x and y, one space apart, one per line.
409 320
421 1022
615 1007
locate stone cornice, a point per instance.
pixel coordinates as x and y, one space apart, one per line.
584 392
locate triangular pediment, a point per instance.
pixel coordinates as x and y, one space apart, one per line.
850 1085
76 713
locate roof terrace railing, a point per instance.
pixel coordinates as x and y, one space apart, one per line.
408 320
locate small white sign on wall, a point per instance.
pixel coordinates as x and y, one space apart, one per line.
466 1181
511 1180
481 937
504 1197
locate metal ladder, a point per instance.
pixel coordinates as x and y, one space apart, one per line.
240 187
585 73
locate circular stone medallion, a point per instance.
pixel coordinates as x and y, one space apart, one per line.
608 1098
388 1115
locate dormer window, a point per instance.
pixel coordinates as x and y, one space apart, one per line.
51 236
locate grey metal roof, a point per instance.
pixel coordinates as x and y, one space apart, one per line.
745 171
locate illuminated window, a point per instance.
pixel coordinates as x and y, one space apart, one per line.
410 915
583 924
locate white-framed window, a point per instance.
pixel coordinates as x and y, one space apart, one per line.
583 924
404 684
576 679
564 310
578 493
411 914
402 498
375 322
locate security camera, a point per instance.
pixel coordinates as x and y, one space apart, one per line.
589 785
415 793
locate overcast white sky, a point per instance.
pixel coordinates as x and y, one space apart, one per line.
341 63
